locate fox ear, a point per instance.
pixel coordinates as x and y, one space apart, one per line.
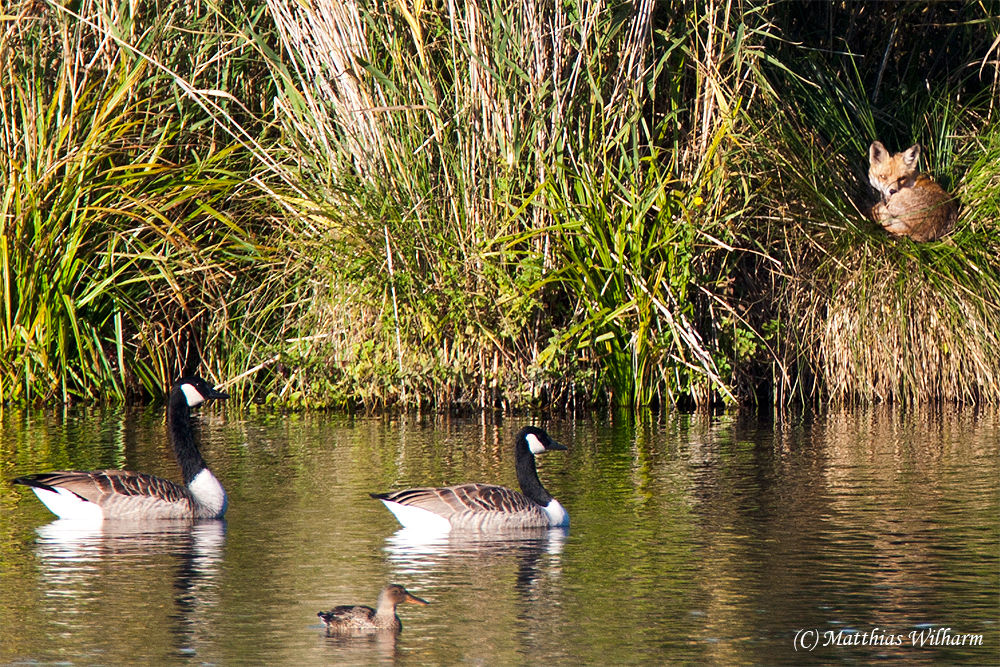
911 155
877 152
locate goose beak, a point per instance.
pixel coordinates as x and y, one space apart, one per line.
558 446
415 600
216 393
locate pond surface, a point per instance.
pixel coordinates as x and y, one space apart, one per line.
693 538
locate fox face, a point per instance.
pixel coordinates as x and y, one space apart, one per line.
912 204
891 173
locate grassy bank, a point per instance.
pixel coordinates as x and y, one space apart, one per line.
494 205
867 317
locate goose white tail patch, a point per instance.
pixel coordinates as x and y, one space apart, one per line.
534 444
192 395
67 505
417 519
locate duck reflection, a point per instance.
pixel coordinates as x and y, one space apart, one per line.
347 625
486 587
361 647
115 568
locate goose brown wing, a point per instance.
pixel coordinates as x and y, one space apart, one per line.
463 498
98 485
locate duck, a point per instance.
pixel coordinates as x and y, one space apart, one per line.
361 618
123 494
485 507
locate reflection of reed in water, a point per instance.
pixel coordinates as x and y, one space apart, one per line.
924 527
115 569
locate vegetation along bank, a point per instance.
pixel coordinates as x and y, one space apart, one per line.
494 204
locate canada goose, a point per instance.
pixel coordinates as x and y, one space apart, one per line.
355 618
485 506
123 494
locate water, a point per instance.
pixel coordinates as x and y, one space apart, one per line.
694 539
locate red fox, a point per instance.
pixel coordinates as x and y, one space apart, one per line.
912 204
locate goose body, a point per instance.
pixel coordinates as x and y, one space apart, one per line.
485 507
361 618
123 494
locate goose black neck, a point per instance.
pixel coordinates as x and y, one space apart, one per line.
182 436
527 474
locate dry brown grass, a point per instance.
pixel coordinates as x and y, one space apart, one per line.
885 334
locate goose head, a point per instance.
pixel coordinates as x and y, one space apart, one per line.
538 440
197 390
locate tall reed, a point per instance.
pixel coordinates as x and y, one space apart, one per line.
118 248
493 203
549 194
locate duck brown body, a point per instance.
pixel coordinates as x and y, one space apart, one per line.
361 618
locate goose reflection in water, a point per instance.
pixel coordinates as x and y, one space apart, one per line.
76 559
423 558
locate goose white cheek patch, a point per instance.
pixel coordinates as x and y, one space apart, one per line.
534 444
192 395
